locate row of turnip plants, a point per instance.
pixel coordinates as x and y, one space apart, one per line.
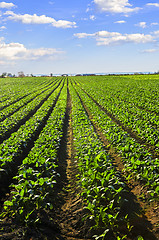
102 187
16 147
14 120
140 121
146 89
140 91
12 108
137 160
37 176
14 89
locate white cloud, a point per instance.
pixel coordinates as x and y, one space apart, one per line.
115 6
154 24
2 28
35 19
121 21
6 5
127 38
153 4
63 24
1 39
92 17
150 50
84 19
107 34
108 38
84 35
51 3
79 45
88 9
141 24
156 33
17 51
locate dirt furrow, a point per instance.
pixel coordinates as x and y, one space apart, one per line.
70 213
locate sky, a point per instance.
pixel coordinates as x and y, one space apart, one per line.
79 36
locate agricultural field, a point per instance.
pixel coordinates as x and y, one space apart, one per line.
79 157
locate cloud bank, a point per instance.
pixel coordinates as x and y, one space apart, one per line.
141 24
115 6
153 4
35 19
17 51
109 38
6 5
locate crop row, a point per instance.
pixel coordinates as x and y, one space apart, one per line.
12 123
143 123
14 149
9 89
37 176
11 109
139 91
136 158
103 190
144 92
19 90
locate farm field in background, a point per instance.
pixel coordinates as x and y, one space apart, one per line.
79 157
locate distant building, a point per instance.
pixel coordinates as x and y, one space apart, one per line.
64 75
21 74
89 74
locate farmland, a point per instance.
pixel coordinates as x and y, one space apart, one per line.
79 157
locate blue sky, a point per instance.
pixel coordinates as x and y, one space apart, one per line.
84 36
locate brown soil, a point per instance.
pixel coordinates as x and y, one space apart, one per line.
69 215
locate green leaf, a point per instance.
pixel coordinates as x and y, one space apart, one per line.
140 238
22 192
8 203
157 189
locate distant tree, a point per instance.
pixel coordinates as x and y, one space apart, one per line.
4 75
9 75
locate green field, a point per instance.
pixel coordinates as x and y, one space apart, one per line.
87 139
